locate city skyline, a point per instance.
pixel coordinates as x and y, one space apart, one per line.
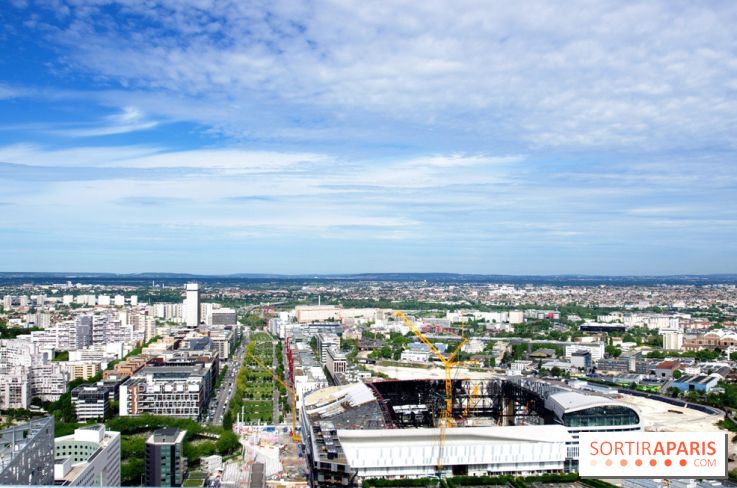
224 137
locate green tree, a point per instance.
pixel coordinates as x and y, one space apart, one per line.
677 374
613 351
228 421
227 443
131 472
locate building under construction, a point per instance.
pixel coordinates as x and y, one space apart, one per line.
401 429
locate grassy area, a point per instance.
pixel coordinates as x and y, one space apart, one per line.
254 387
61 356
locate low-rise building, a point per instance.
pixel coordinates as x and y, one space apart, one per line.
665 369
413 356
699 382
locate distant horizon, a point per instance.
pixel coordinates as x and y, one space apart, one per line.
453 273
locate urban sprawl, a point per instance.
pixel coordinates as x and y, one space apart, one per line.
352 383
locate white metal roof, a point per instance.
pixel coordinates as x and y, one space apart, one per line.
571 401
463 445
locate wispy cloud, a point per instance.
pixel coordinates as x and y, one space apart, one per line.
131 119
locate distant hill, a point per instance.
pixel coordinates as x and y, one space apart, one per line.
142 279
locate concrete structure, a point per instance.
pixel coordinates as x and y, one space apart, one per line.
27 453
595 348
222 316
316 313
337 362
672 339
211 464
48 381
15 388
325 342
415 356
91 401
191 305
165 462
89 457
581 360
81 369
665 369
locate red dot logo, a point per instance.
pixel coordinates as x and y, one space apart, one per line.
608 462
668 462
623 462
683 462
653 462
638 462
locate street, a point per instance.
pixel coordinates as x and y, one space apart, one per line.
222 396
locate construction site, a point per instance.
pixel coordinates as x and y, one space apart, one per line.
450 426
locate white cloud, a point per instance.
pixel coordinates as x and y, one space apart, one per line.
9 92
150 157
643 74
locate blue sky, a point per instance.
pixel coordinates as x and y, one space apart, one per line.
321 137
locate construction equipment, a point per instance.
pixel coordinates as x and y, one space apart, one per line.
474 394
446 416
295 436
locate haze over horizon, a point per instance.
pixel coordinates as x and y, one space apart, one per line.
317 138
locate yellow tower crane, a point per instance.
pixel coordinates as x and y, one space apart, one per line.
295 436
472 398
446 417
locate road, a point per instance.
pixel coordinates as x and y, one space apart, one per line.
220 400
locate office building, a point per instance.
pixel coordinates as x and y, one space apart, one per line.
180 389
337 362
191 305
222 316
324 342
89 457
91 401
164 460
581 360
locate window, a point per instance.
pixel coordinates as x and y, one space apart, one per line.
608 415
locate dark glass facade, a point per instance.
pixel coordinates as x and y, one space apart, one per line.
604 416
